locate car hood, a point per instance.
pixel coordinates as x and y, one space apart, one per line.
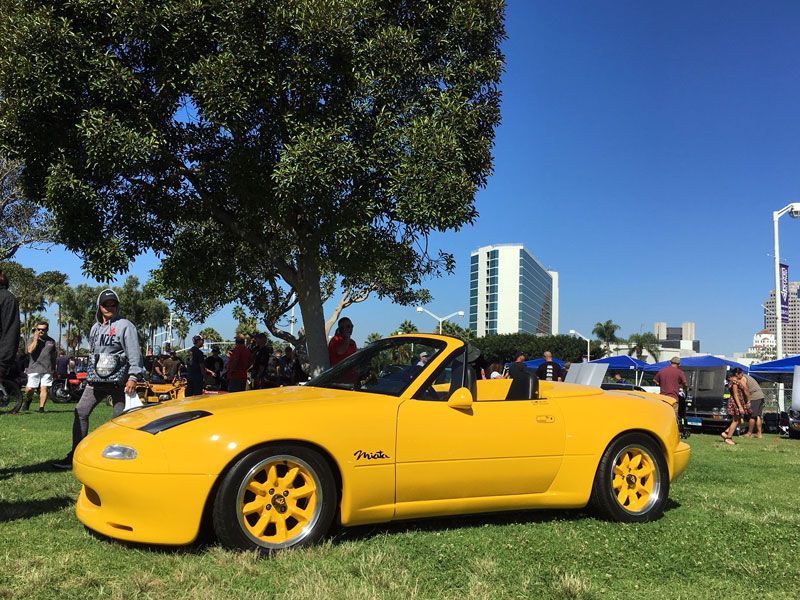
226 403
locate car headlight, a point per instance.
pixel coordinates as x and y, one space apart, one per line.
171 421
119 452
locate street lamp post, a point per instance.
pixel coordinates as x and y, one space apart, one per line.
441 320
588 343
794 211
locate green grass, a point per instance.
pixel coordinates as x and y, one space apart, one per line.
732 530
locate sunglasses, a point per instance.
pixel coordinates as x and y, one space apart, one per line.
109 305
40 329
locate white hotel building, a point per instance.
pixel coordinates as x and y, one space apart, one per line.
511 292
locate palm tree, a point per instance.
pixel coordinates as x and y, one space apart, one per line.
373 337
407 327
643 342
606 333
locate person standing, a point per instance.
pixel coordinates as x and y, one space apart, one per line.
261 354
549 370
197 367
115 365
41 364
238 364
341 345
754 395
672 381
737 407
9 329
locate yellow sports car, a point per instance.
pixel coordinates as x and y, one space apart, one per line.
398 430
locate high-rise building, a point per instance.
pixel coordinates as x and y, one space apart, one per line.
511 292
790 332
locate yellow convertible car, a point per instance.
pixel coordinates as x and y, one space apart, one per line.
399 430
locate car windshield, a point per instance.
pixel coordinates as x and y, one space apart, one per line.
384 367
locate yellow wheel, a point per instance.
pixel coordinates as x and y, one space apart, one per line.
275 498
632 481
635 479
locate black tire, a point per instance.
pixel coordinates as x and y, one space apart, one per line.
794 434
640 497
60 395
276 502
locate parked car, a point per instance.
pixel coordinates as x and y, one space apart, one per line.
379 437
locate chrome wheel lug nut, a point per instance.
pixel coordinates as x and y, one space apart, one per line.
271 490
269 507
285 493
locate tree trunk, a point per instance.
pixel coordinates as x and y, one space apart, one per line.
309 294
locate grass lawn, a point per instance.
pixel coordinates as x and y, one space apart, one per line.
732 530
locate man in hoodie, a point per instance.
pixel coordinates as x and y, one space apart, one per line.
115 338
9 328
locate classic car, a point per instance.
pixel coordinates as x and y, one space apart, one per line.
381 436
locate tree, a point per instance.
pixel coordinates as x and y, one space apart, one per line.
181 325
33 291
256 144
373 337
209 334
246 324
606 333
24 223
407 327
639 343
450 328
504 347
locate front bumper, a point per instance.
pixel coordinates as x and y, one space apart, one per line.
152 508
680 459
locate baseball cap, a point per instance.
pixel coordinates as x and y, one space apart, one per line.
675 360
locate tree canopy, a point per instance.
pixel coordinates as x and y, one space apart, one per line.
255 142
23 222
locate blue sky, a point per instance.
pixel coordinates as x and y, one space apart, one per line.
643 148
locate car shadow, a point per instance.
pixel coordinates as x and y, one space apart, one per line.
363 532
26 509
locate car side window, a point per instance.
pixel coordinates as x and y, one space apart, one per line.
440 384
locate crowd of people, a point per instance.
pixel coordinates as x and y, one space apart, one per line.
115 364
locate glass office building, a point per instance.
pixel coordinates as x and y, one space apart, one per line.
511 292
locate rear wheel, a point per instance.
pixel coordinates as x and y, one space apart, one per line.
632 481
275 498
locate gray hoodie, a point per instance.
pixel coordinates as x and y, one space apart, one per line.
117 336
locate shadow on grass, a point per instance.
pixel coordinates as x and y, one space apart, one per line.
42 467
25 509
207 540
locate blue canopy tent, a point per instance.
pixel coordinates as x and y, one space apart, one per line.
780 371
624 363
784 365
698 362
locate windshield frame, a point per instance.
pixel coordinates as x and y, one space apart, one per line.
325 380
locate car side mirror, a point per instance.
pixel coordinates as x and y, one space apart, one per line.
460 399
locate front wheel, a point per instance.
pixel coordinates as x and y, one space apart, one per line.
632 481
275 498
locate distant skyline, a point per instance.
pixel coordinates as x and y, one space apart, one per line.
642 151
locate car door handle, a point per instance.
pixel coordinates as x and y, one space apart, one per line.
545 419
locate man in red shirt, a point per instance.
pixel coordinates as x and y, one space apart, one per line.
341 346
240 361
671 380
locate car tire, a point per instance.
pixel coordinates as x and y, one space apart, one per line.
631 484
793 434
60 395
275 498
